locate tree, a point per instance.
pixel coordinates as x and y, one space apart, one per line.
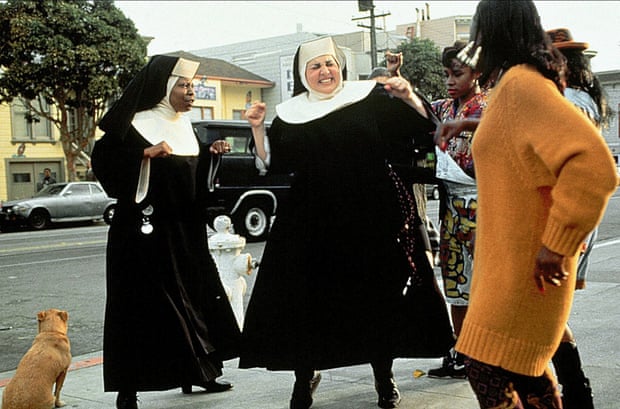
422 67
71 55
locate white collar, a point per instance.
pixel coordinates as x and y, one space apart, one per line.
302 108
163 123
177 132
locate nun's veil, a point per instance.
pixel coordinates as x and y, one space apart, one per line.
298 86
144 92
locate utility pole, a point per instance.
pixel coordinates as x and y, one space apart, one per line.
367 5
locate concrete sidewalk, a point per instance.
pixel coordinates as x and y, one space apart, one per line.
594 321
343 388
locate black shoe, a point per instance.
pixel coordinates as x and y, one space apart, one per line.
302 392
216 387
451 367
389 396
126 400
209 387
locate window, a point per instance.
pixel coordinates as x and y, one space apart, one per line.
238 138
238 144
238 114
21 177
96 189
73 122
27 125
79 190
199 113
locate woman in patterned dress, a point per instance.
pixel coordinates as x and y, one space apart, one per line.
458 207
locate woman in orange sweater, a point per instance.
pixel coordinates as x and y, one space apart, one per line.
544 177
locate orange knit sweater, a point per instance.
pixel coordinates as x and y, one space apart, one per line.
544 177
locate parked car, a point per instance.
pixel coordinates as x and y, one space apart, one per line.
432 191
239 191
59 202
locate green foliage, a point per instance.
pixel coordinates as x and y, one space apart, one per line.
74 54
422 67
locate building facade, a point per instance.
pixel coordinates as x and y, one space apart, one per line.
223 90
28 145
442 31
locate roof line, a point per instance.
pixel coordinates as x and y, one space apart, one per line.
241 80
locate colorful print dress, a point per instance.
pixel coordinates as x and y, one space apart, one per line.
458 215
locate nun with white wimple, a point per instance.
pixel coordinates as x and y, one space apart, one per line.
346 243
168 322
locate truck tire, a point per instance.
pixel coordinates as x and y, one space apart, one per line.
252 220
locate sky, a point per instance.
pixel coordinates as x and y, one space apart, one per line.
194 25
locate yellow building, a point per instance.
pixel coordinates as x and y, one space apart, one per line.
29 144
223 90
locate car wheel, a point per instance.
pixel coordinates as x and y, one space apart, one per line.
252 222
108 214
435 194
39 219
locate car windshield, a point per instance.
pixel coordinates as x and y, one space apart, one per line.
51 190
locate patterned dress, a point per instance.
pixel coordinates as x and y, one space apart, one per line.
458 215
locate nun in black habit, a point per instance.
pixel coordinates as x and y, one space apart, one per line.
347 242
168 322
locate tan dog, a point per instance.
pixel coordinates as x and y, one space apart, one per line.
45 364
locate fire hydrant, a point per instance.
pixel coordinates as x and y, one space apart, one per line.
232 265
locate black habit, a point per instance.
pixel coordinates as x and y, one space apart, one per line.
168 321
329 290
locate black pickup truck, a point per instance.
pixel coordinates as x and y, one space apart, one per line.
239 191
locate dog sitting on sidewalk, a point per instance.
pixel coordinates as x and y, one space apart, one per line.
45 364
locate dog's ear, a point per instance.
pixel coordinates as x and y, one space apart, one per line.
41 315
64 315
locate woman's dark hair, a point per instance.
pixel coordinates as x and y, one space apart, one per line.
510 33
580 76
298 86
449 53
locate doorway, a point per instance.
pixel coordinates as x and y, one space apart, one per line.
25 177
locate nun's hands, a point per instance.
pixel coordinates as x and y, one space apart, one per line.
218 147
394 62
256 117
401 88
256 114
161 150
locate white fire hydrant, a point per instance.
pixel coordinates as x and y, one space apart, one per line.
232 265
